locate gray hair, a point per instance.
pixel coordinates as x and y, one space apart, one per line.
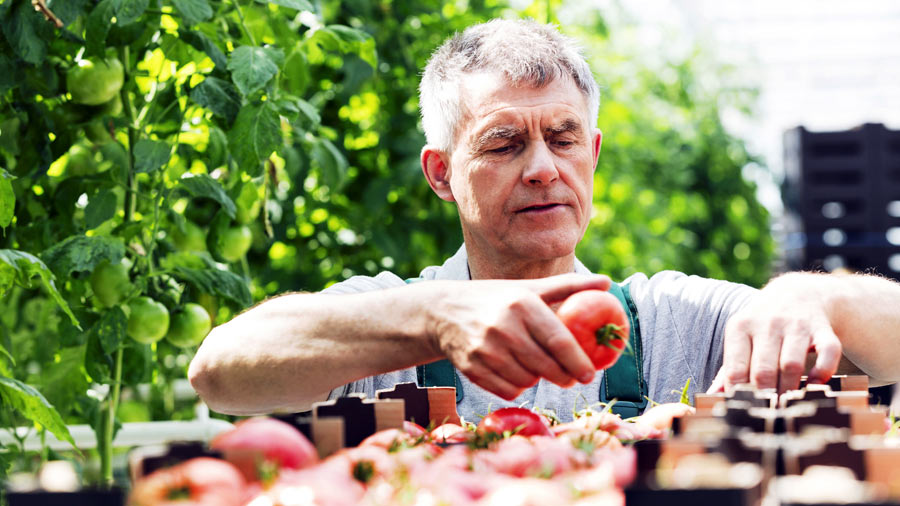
525 52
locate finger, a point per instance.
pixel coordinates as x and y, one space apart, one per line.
828 355
536 361
792 360
764 359
490 381
510 370
736 361
558 288
718 384
560 344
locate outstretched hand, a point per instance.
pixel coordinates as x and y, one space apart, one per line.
767 342
504 335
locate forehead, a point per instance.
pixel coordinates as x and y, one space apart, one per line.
489 100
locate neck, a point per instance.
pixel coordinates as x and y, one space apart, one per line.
504 268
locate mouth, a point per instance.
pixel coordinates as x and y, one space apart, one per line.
538 208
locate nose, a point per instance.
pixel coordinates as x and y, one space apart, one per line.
540 169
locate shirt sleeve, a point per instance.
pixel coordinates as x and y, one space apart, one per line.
682 320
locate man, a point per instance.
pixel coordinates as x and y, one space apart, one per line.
509 109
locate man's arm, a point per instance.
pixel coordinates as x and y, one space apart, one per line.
292 350
851 321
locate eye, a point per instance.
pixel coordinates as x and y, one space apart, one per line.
501 150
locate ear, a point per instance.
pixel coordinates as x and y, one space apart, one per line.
595 142
437 172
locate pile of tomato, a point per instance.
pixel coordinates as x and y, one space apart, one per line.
514 456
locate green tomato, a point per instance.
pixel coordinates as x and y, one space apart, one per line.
97 132
234 243
110 283
112 107
81 161
95 81
189 326
148 320
191 239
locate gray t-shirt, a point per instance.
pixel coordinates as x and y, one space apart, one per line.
682 321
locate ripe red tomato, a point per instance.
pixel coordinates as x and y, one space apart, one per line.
598 321
257 441
202 481
520 421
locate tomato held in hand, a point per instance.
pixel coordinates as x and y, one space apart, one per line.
599 323
148 320
520 421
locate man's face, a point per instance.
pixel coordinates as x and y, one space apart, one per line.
521 171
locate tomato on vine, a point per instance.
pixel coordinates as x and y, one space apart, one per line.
110 283
189 326
81 161
234 243
148 320
94 81
192 238
599 324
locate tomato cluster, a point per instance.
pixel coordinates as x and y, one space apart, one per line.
511 451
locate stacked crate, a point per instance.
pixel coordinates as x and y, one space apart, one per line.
843 190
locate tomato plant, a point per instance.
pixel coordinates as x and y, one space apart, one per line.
189 326
599 323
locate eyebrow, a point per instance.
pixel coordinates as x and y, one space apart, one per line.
496 133
568 125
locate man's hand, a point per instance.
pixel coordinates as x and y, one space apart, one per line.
504 335
766 343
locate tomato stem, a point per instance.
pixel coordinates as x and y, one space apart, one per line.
607 333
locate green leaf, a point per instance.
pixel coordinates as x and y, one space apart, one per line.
300 5
201 42
67 10
26 31
150 155
97 26
7 73
4 357
128 11
252 67
219 96
101 207
347 34
204 186
193 11
82 253
216 281
20 267
110 329
64 380
255 135
7 199
32 405
332 163
685 397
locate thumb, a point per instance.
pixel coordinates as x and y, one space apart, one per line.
558 288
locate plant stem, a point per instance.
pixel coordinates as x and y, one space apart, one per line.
243 23
108 429
106 470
